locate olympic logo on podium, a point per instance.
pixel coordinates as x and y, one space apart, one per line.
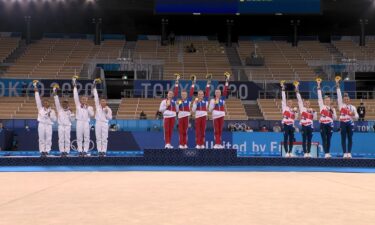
74 147
190 153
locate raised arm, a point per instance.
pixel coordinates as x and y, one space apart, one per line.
57 103
320 99
175 91
76 97
38 100
300 102
339 97
96 98
283 99
192 88
207 93
225 92
56 98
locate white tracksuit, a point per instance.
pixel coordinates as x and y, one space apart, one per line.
83 114
64 119
102 116
46 117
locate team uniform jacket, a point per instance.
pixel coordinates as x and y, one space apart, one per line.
83 112
170 111
346 110
288 113
64 116
307 115
46 116
217 106
102 114
200 107
327 113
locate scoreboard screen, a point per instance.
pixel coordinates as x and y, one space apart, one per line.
237 6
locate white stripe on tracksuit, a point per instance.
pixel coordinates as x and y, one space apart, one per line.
46 117
83 114
64 119
102 116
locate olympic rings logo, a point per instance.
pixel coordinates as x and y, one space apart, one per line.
191 153
74 147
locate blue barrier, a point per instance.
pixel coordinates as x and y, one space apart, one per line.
247 144
157 125
117 141
268 144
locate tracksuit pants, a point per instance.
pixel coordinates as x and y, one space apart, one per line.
83 136
307 133
101 134
288 138
346 132
200 130
326 130
64 138
45 137
168 129
218 130
183 125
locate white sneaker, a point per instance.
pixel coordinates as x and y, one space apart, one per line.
216 146
166 146
327 156
198 147
345 155
169 146
185 147
306 155
349 155
287 155
221 146
181 147
291 155
203 147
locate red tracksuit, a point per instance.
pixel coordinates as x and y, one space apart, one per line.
217 106
200 109
183 117
169 114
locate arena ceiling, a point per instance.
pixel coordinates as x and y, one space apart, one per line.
134 17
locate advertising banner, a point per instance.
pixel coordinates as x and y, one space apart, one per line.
24 87
269 144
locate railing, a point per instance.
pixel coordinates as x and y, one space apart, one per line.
141 93
307 94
